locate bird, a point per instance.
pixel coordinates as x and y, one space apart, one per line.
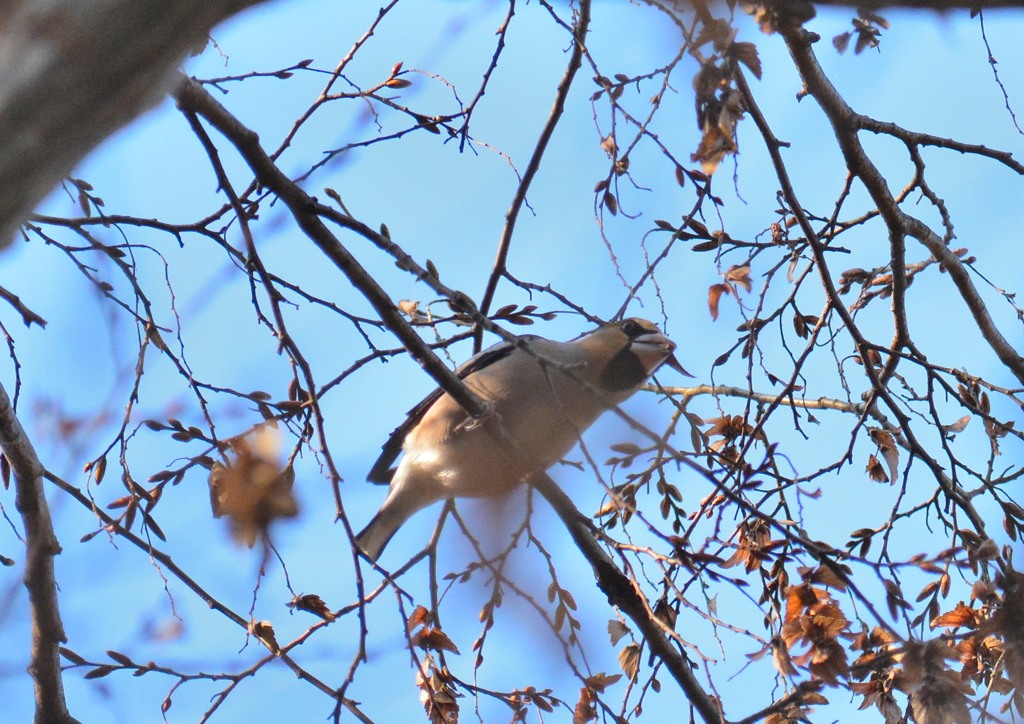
541 393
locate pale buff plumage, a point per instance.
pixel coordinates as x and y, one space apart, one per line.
540 409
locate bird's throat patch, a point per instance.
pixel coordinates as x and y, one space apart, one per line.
624 371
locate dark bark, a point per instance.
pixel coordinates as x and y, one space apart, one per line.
75 72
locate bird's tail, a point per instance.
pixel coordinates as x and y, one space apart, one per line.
396 510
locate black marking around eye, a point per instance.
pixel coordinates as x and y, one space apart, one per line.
631 328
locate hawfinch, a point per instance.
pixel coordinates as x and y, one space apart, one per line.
540 409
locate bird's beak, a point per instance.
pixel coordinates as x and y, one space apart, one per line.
664 348
674 364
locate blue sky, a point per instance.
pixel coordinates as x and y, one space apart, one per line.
931 75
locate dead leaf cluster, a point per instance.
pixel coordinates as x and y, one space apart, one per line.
252 488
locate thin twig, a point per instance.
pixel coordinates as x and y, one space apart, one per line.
580 29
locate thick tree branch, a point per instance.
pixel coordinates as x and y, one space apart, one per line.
799 42
623 594
74 72
846 123
41 546
304 208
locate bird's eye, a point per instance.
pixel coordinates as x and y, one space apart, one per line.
631 328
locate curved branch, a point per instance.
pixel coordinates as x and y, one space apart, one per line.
41 546
846 122
799 42
623 594
304 209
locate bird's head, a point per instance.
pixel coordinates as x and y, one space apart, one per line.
650 345
631 350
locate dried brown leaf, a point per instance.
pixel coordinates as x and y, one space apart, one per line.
610 203
962 616
887 446
616 630
958 426
434 639
601 681
746 53
419 617
312 603
629 660
740 276
875 470
715 292
252 489
264 631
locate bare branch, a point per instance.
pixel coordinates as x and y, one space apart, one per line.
580 29
845 121
193 96
622 593
41 545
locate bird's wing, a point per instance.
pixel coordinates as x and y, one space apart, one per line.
383 470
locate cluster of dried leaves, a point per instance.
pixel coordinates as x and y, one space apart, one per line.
720 104
985 636
437 692
252 489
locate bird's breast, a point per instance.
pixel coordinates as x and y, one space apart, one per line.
533 422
